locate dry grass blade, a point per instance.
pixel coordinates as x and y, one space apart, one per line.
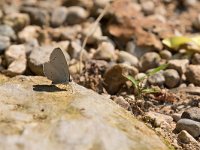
94 27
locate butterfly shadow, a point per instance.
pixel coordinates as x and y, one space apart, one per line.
47 88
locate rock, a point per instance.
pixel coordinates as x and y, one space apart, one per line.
165 54
4 43
70 33
82 3
16 60
196 59
59 16
148 61
157 79
75 67
140 76
192 127
148 7
7 31
192 113
93 37
172 78
76 15
193 74
179 65
122 102
189 3
125 57
196 22
157 119
38 16
176 117
135 50
17 20
15 52
17 67
185 137
35 112
39 56
105 51
114 78
75 49
30 33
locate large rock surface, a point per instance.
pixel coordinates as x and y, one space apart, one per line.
38 115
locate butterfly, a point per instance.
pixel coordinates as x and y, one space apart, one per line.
57 68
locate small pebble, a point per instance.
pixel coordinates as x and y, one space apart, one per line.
192 113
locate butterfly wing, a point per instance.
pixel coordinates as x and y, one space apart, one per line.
57 69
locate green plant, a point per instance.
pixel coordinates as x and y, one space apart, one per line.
138 84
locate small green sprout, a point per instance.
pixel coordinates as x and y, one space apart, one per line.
138 84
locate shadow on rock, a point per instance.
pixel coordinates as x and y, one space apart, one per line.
47 88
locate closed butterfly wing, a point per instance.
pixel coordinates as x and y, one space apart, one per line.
57 69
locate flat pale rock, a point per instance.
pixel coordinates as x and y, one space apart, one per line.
38 115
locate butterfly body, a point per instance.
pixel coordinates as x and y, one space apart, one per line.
57 68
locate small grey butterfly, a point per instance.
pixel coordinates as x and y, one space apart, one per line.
57 68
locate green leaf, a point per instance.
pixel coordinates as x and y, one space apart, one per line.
155 70
150 90
134 81
176 41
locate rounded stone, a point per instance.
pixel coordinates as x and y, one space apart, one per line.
165 54
192 127
156 79
193 74
148 61
125 57
7 31
76 15
4 43
172 78
196 59
58 16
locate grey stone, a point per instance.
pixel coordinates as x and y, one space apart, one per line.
94 37
172 78
157 79
193 74
114 78
192 127
178 64
58 17
185 137
4 43
17 20
76 15
122 102
196 59
15 52
39 16
165 54
125 57
7 31
148 7
157 119
192 113
30 33
148 61
38 115
176 117
105 51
